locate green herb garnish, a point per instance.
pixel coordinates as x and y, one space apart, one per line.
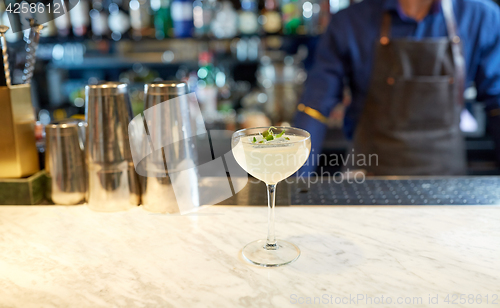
254 140
280 134
269 135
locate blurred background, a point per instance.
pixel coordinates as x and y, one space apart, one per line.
246 60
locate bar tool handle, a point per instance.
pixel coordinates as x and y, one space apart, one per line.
31 46
5 56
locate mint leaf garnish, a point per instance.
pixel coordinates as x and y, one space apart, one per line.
280 134
269 135
254 140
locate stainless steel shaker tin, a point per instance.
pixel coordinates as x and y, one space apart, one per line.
113 184
65 162
170 127
166 89
106 88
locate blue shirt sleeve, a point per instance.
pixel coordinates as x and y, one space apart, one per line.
323 90
488 72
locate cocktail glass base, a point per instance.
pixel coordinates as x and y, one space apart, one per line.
261 254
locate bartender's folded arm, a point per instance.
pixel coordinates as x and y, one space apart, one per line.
346 52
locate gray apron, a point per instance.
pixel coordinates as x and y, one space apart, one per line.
410 124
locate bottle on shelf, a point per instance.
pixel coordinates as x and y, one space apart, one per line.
292 16
248 20
271 17
162 18
118 20
311 13
203 14
62 20
182 16
98 20
140 19
79 17
225 23
206 88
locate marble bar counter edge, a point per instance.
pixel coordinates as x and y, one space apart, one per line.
412 256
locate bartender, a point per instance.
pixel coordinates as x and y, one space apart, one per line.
407 63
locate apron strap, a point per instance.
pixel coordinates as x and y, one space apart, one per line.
449 17
456 47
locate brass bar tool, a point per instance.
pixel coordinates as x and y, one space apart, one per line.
5 54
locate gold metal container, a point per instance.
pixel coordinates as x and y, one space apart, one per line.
18 152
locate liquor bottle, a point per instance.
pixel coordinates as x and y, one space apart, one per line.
118 20
271 17
311 12
140 19
248 19
162 18
98 20
203 13
225 23
62 21
79 17
291 16
182 16
206 88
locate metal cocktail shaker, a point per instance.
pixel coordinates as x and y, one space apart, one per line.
65 161
113 184
171 181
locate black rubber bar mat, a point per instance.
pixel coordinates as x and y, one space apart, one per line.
377 191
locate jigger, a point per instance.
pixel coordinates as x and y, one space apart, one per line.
113 183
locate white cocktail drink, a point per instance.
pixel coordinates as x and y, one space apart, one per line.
271 155
273 161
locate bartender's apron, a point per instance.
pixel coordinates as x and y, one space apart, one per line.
410 124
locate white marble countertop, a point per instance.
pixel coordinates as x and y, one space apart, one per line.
55 256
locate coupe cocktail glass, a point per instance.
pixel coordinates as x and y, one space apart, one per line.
271 162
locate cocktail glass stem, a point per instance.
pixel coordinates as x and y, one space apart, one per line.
271 238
